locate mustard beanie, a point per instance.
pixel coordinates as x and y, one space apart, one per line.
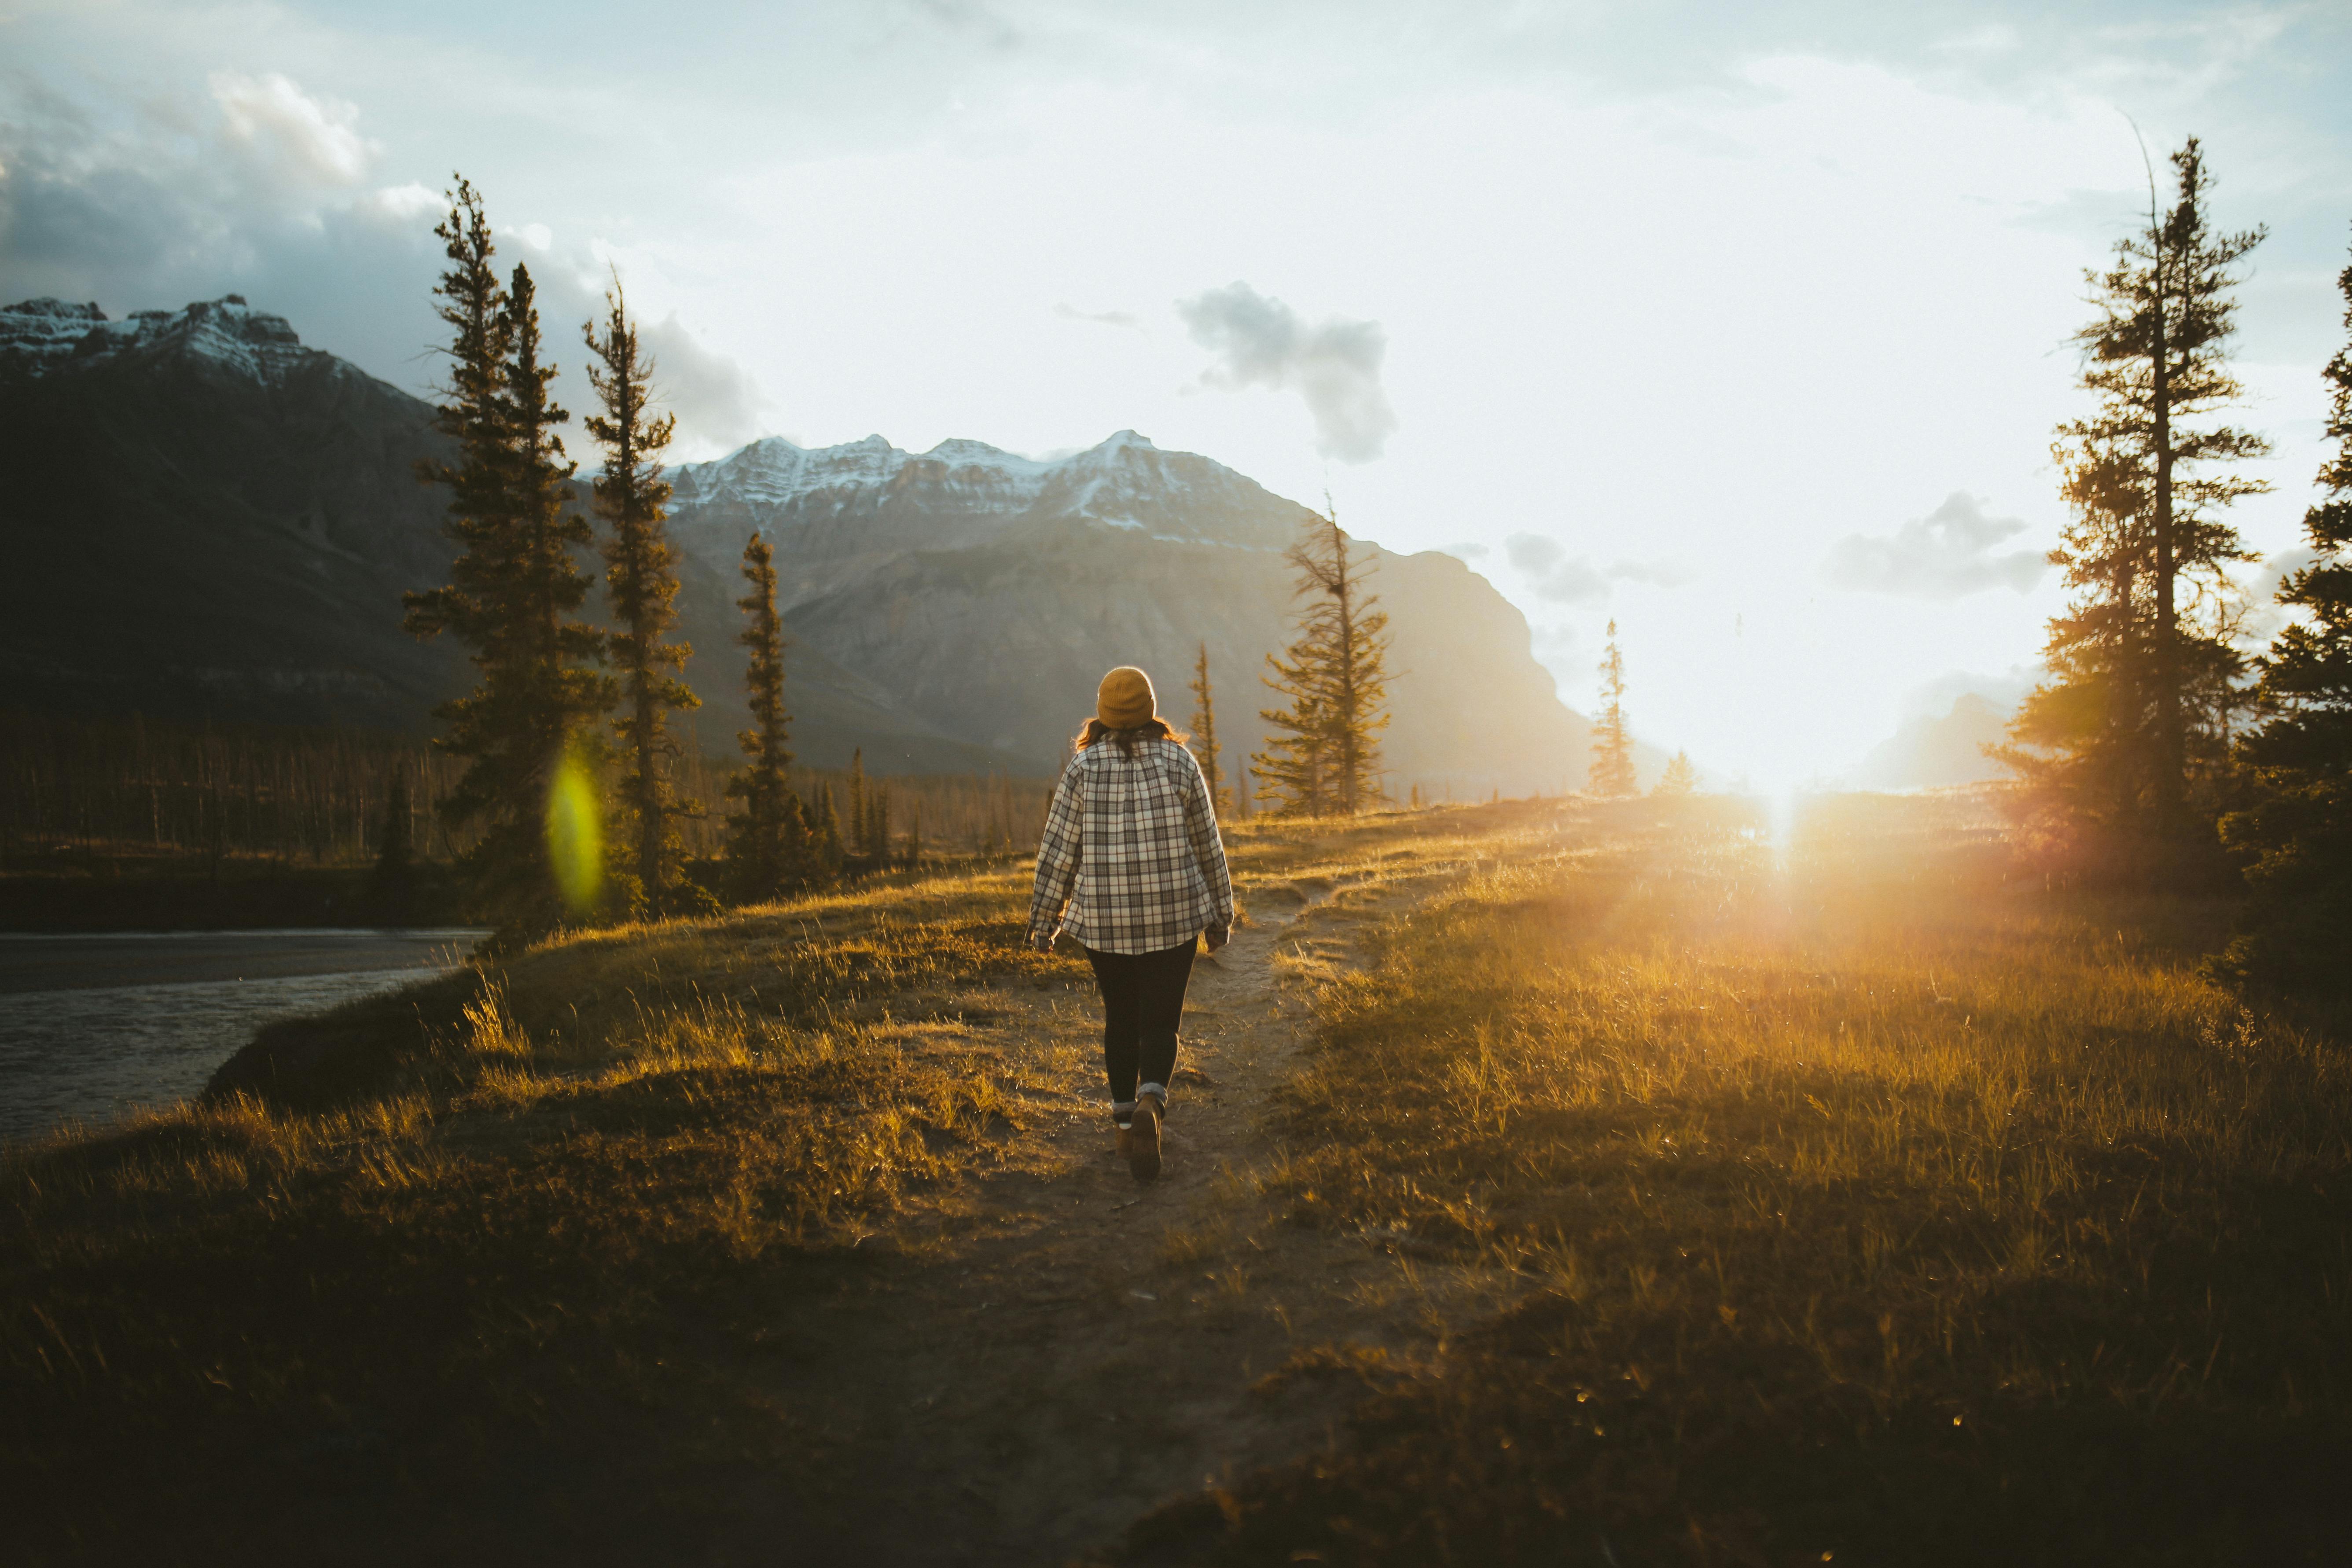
1125 701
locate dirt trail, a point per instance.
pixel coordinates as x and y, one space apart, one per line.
1071 1348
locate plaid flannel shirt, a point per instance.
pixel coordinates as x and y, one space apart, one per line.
1131 848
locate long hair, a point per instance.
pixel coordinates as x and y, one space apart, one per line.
1152 728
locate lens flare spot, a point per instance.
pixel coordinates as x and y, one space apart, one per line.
575 833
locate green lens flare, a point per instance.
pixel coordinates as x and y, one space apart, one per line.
575 838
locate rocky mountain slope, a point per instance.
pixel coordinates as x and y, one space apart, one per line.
222 520
987 593
216 521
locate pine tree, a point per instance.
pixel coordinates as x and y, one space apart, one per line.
641 577
1611 774
1679 778
392 888
861 823
1325 756
828 831
512 589
1293 772
768 849
1204 734
2298 835
915 837
878 811
2136 711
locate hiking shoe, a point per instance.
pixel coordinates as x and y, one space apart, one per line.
1141 1142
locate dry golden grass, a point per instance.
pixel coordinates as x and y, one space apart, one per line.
449 1247
476 1269
1857 1199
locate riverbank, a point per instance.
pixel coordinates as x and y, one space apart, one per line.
93 1026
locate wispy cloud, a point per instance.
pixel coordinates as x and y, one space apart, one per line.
1334 365
1553 574
1069 313
1948 554
1655 574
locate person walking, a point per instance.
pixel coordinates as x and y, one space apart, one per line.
1131 867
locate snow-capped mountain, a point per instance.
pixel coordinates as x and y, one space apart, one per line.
974 488
837 512
41 335
223 521
986 591
217 523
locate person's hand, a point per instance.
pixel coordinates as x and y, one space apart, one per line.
1218 936
1043 940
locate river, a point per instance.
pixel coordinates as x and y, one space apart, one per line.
91 1026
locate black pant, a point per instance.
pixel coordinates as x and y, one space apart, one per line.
1143 999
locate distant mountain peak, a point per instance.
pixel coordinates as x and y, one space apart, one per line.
39 337
961 485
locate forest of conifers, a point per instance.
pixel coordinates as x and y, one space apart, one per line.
130 792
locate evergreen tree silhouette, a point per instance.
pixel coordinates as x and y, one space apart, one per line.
768 848
392 887
1323 753
2298 834
861 822
1204 734
512 588
641 580
829 848
1611 774
2136 711
1679 777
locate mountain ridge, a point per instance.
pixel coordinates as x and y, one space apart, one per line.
227 517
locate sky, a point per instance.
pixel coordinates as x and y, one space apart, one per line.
1745 326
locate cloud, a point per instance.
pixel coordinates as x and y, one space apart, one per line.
1555 643
1656 573
1555 575
399 207
242 184
717 401
2277 569
259 188
1552 573
1469 550
1100 318
2261 616
1334 365
314 140
1948 554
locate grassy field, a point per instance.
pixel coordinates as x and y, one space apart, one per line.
468 1269
1853 1196
491 1267
1862 1201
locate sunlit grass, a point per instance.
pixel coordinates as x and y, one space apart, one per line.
1861 1197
